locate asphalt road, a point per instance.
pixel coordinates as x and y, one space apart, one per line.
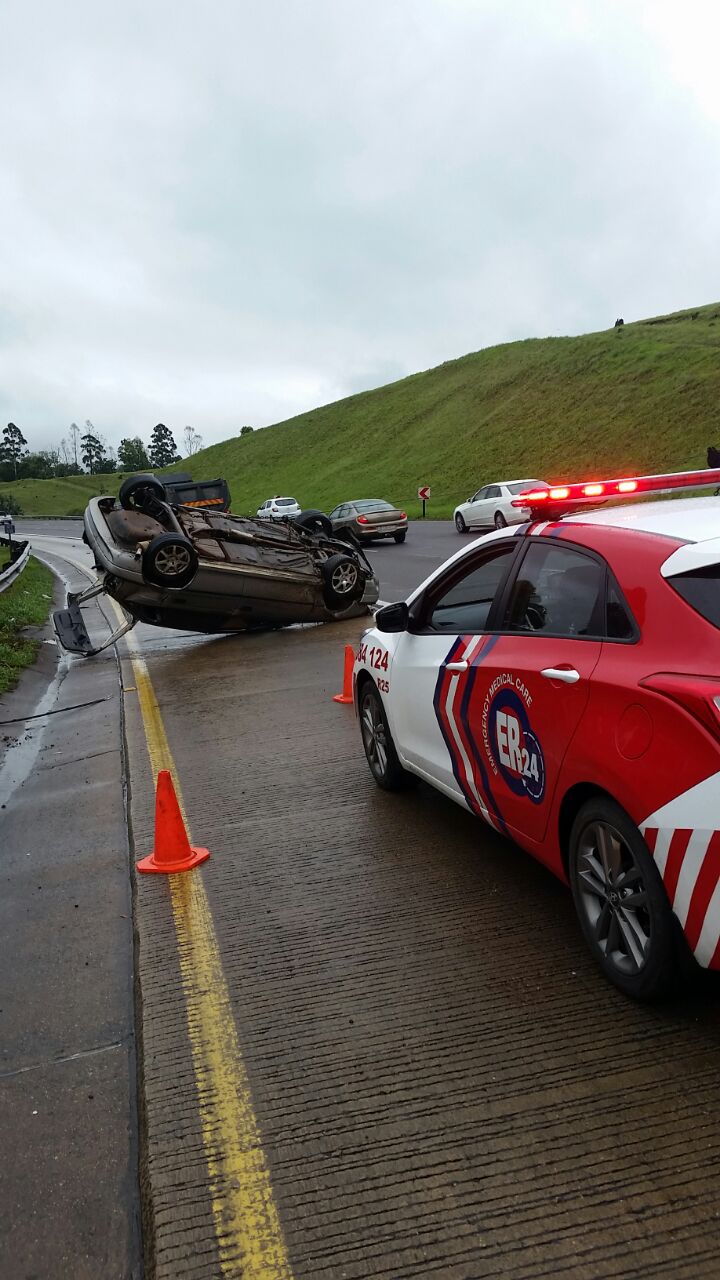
442 1083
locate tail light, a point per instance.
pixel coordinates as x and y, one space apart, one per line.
403 516
700 695
362 519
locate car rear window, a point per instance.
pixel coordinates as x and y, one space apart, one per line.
373 504
523 486
701 590
285 502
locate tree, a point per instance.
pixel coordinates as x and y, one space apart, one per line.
192 441
244 431
35 466
132 454
163 450
75 436
93 454
13 447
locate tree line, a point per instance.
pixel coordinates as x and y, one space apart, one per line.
86 452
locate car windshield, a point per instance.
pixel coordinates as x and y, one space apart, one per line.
373 504
285 502
523 486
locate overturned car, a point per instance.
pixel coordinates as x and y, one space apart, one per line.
198 568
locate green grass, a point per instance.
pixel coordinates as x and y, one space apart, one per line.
638 399
25 604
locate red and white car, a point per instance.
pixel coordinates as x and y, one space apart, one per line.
562 681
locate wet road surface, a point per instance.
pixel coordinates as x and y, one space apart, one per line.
444 1084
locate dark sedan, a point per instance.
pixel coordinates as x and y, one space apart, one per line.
368 519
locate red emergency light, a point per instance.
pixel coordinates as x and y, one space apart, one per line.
570 496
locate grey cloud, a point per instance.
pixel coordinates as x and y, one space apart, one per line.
228 213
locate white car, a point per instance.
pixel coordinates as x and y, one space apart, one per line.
492 505
277 508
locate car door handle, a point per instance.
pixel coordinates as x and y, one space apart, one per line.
568 675
456 666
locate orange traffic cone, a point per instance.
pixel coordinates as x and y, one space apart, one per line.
347 693
173 851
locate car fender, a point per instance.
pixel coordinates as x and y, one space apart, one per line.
374 655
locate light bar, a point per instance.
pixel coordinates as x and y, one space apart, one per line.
577 495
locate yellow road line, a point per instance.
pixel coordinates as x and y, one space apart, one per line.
247 1226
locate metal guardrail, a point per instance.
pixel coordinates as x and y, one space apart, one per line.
17 564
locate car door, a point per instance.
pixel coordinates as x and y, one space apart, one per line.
449 631
532 685
477 507
493 503
341 517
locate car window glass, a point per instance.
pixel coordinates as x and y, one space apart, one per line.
477 497
465 606
493 491
558 591
701 590
524 486
373 504
619 624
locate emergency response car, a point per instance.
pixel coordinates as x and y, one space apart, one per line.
562 681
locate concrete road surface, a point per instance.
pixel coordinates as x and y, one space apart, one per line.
373 1043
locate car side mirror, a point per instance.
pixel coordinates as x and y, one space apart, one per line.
393 617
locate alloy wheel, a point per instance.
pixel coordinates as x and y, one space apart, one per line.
344 578
374 736
172 560
614 898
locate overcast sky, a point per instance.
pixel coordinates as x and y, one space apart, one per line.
222 213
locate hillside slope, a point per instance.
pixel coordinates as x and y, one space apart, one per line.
645 397
641 398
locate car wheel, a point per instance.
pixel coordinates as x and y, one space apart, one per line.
500 521
313 522
400 536
170 561
377 741
141 493
621 902
460 524
342 582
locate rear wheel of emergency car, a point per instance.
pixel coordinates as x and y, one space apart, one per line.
460 524
170 561
377 740
313 522
141 493
342 583
620 900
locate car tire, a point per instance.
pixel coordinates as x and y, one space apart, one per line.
460 524
170 561
377 742
141 493
400 536
313 522
500 521
343 582
635 945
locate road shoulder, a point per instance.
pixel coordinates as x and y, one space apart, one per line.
68 1180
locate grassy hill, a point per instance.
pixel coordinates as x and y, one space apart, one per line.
645 397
